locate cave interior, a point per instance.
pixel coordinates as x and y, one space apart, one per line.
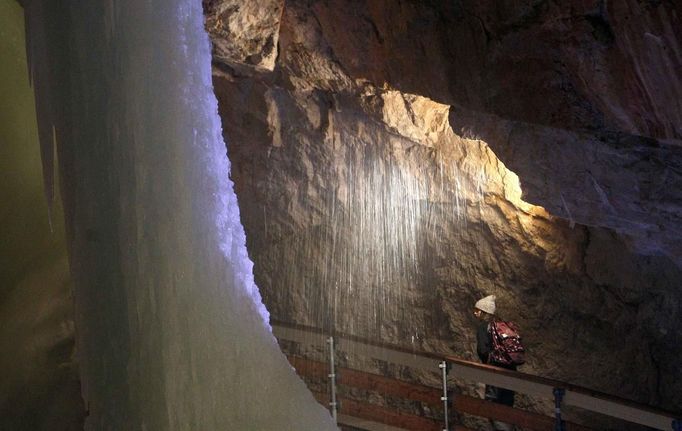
392 163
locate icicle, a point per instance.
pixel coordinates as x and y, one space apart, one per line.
41 80
570 217
602 194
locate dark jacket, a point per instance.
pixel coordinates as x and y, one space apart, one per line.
484 341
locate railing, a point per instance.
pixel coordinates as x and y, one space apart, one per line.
375 418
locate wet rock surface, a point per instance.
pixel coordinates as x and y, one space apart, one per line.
376 174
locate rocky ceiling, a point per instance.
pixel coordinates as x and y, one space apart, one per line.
375 148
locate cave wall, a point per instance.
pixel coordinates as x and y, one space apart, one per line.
370 169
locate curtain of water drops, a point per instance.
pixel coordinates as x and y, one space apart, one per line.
383 215
376 232
372 253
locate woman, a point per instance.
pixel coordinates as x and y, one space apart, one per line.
484 311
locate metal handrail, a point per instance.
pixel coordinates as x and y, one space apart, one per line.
584 398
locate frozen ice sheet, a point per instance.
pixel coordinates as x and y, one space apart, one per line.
172 332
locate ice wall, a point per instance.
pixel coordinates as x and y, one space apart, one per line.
171 329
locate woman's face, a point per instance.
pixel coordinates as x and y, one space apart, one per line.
478 313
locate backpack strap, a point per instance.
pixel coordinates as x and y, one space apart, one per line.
494 339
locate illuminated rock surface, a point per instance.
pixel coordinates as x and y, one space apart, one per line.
248 32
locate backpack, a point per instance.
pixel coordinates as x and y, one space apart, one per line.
507 346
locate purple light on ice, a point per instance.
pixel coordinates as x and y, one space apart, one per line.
212 151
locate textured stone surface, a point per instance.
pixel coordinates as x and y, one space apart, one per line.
374 207
578 64
246 31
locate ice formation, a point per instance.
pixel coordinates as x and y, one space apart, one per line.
172 332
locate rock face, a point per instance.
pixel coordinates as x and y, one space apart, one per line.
246 32
576 65
601 80
376 172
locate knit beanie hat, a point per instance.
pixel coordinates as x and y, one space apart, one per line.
486 304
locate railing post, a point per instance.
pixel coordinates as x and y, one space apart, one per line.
559 424
677 425
332 379
445 368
